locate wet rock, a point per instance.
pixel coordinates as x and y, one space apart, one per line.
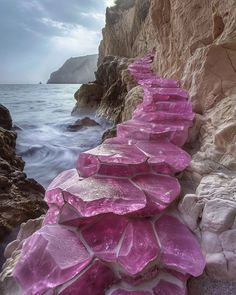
5 118
81 123
20 198
88 98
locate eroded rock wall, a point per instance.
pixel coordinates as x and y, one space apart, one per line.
21 198
195 42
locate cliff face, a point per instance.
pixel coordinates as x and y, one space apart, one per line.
195 42
125 33
20 198
76 70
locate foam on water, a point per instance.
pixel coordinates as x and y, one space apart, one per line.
42 113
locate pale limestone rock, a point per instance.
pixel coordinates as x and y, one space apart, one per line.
218 215
131 100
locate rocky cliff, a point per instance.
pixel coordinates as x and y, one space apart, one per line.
21 198
195 42
76 70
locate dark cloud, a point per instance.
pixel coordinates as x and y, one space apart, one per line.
38 35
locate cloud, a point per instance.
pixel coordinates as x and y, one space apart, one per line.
38 36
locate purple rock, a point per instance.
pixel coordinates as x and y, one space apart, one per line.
167 288
165 157
94 281
61 182
50 257
129 292
161 190
139 247
163 118
93 196
159 94
133 129
180 249
160 83
113 160
180 107
103 236
52 215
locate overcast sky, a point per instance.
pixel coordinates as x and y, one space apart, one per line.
37 36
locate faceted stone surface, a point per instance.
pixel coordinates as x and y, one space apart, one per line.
104 236
93 196
102 233
165 157
94 281
133 129
160 190
167 288
50 257
180 249
157 94
114 160
139 247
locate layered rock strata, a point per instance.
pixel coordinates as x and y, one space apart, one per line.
108 229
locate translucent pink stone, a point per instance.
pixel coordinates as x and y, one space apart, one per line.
180 107
160 82
161 190
165 157
180 249
113 160
139 247
167 288
158 94
133 129
61 182
127 292
164 118
50 257
93 196
52 215
94 281
103 236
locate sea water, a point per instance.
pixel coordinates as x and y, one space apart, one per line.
41 114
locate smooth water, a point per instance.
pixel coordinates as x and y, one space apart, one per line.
42 112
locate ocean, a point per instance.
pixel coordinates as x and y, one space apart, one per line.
41 114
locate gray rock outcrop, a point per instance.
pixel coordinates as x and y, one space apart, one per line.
76 70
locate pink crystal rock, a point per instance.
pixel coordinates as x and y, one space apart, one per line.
167 288
139 247
113 160
93 196
161 190
180 249
164 94
50 257
103 236
94 281
106 230
160 82
128 292
164 157
133 129
180 107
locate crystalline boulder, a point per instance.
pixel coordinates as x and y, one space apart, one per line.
94 281
113 160
50 257
93 196
106 231
180 250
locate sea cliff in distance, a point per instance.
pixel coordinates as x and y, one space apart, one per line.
76 70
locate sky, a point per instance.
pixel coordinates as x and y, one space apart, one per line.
38 36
